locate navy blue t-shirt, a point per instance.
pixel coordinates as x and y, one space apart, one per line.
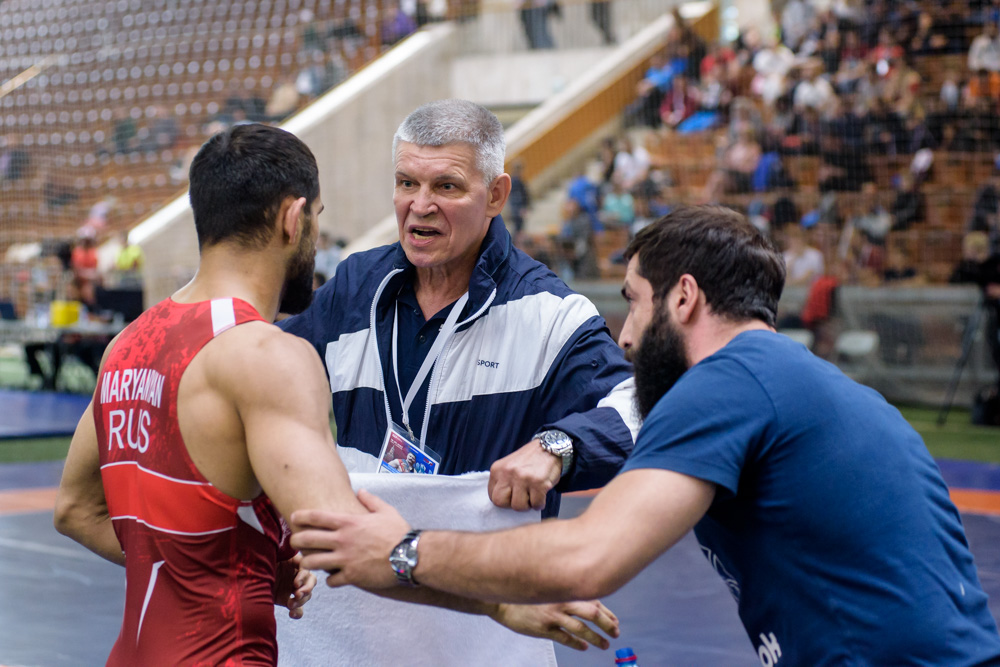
831 524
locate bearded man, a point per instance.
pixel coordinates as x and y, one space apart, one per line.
812 497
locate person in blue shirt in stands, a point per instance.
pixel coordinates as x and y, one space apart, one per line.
813 499
454 341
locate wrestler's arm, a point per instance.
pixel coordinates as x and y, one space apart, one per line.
284 405
81 511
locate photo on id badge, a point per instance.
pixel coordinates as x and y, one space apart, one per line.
399 454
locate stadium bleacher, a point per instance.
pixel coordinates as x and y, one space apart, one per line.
68 66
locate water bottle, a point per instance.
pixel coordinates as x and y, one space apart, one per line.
625 657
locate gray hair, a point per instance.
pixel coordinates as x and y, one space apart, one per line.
457 121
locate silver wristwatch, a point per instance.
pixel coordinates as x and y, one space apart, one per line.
404 558
558 443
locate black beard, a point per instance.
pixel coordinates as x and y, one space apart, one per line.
298 292
660 360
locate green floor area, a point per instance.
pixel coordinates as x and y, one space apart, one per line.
73 377
957 439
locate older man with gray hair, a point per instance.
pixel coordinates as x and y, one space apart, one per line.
456 347
455 341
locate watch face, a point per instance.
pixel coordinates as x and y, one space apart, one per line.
403 559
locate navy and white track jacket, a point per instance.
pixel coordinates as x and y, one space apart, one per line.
549 362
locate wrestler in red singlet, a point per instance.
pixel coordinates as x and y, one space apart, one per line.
200 565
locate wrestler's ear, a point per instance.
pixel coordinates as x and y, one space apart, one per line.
291 220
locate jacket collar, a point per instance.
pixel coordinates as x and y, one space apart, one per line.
493 254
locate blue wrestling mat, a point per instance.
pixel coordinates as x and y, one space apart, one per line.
27 414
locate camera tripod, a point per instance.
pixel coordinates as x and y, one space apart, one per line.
968 338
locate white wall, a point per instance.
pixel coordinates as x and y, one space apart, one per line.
524 78
350 131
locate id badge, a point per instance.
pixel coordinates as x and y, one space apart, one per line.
402 453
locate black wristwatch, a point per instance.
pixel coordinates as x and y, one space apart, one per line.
404 558
559 444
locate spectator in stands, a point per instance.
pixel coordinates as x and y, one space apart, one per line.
885 130
123 130
161 132
577 235
241 104
978 127
337 69
819 309
631 163
803 262
284 99
691 46
535 20
814 90
311 40
740 73
311 79
983 85
600 14
928 39
83 263
975 252
129 261
606 157
844 164
679 103
869 27
796 19
909 207
57 192
782 124
744 116
713 98
663 67
824 46
986 207
951 91
864 234
990 11
984 53
954 20
802 136
771 64
853 64
886 54
617 207
14 160
644 215
586 193
739 161
519 199
719 55
770 173
396 25
900 270
988 279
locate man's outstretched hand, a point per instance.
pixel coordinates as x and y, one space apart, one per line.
353 548
562 622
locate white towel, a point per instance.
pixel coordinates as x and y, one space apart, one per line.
346 626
